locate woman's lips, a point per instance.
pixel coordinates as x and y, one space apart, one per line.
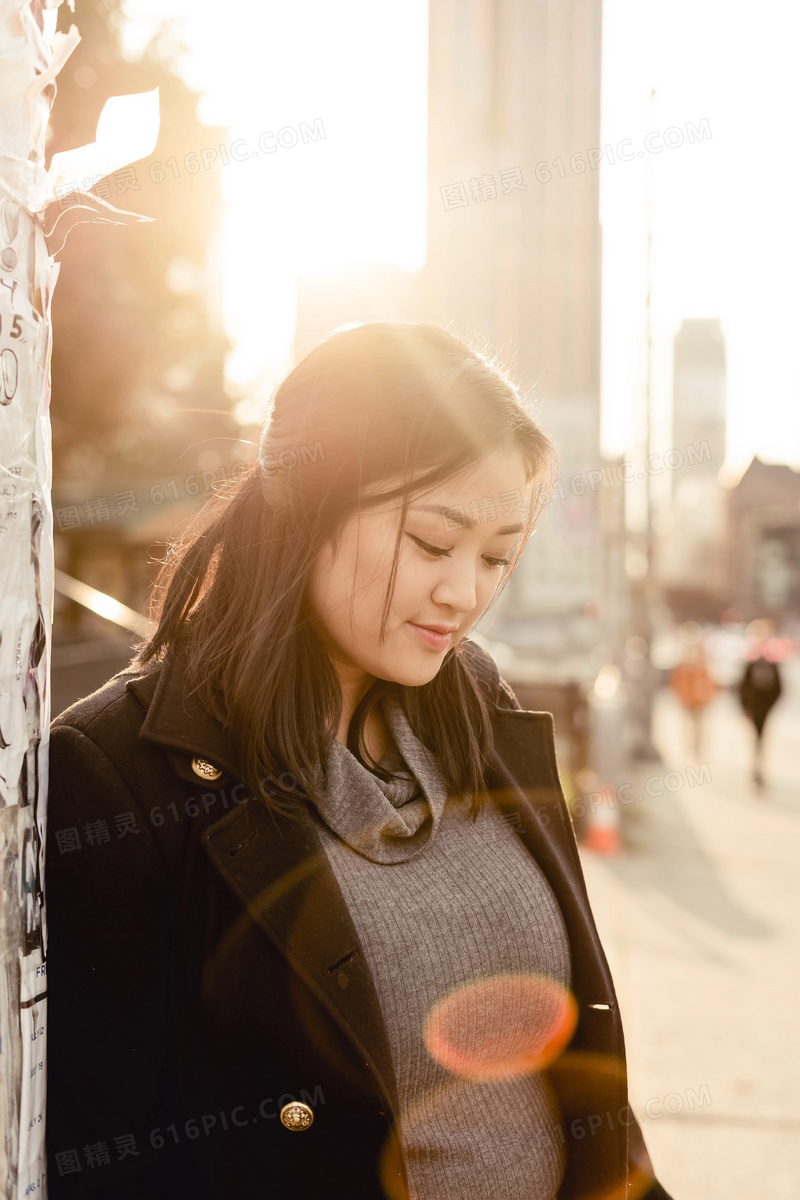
436 641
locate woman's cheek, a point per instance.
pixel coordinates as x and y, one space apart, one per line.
487 587
414 574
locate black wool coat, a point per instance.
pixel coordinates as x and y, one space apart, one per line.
206 982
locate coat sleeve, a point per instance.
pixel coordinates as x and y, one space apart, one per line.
107 894
641 1176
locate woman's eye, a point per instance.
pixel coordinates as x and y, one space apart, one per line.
434 551
439 552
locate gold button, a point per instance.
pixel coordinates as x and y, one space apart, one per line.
205 769
297 1116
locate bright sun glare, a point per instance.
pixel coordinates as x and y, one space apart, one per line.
351 190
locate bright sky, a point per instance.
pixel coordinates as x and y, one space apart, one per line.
726 240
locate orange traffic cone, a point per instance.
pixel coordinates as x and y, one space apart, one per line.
603 822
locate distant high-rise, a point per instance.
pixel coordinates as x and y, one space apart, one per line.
514 249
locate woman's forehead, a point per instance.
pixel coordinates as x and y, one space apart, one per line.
498 472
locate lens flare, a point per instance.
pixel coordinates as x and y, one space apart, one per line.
502 1027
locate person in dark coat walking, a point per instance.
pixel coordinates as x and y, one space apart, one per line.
317 924
759 691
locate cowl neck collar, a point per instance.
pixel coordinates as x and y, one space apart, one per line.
385 821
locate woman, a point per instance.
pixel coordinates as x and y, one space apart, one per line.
692 683
330 935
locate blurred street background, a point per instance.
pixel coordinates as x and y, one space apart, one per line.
699 920
571 184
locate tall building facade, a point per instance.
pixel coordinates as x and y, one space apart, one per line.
514 254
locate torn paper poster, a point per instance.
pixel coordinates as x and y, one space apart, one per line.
31 54
127 131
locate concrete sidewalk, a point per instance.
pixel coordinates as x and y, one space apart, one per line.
700 920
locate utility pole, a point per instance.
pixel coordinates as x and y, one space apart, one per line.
644 587
29 52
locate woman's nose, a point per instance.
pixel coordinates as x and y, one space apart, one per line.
456 588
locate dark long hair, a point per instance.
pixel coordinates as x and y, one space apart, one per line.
369 403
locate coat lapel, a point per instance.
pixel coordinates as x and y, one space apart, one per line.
523 781
281 873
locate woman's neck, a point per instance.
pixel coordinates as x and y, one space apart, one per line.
354 685
376 732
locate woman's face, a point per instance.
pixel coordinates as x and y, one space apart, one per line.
456 539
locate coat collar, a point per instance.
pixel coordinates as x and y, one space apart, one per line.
282 876
176 720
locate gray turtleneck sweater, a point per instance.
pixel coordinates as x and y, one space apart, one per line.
455 911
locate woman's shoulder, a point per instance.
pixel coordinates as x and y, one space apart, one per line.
113 713
88 707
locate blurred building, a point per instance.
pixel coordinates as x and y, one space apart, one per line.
764 542
513 224
691 551
514 255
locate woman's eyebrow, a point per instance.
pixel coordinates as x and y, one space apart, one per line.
457 517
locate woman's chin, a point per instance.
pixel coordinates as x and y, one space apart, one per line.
414 674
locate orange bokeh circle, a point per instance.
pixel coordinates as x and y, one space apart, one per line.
502 1027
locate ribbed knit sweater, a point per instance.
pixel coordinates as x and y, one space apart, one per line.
448 907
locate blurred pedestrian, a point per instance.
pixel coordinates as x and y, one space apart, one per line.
759 690
692 683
